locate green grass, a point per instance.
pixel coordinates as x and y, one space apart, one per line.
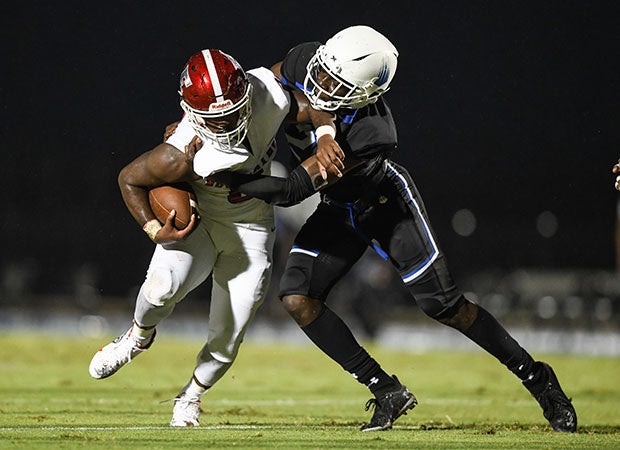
288 397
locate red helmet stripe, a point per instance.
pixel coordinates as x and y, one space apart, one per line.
213 75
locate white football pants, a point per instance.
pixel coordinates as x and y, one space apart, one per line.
240 257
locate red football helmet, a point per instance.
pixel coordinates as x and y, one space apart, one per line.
215 95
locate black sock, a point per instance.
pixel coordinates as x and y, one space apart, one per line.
487 332
334 338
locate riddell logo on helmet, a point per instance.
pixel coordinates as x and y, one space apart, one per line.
221 105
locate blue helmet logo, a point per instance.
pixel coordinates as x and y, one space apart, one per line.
384 75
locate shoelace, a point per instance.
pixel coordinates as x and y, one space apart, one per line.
188 409
134 345
371 403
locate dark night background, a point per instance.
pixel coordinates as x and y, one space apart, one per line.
506 108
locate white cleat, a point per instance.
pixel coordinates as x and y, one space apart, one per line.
109 359
186 412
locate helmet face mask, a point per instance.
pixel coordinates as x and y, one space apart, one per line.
216 98
360 63
328 92
224 137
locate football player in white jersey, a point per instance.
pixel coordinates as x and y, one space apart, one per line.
236 115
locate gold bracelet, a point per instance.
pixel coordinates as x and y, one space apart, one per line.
151 228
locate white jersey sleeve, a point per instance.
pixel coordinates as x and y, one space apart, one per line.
182 135
270 105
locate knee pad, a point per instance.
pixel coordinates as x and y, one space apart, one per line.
294 280
311 276
161 286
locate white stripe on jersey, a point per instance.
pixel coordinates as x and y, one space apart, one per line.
215 81
314 254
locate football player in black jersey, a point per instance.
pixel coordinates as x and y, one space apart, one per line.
373 203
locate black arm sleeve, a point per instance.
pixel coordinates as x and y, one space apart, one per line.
275 190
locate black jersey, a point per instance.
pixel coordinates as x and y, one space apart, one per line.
368 133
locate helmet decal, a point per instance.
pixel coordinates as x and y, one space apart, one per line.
186 81
384 74
221 105
213 75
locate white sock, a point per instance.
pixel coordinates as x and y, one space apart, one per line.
194 391
144 336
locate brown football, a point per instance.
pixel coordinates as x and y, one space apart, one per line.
179 197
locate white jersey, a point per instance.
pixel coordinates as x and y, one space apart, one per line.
270 104
233 241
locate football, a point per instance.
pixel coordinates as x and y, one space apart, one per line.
179 197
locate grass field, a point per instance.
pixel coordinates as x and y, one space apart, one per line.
278 396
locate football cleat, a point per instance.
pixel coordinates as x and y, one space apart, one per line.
186 411
557 407
122 350
389 407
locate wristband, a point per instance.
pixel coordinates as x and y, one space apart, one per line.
151 228
323 130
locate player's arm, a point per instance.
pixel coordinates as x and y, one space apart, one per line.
304 181
164 164
329 154
616 169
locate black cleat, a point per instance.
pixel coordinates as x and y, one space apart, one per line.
389 407
557 407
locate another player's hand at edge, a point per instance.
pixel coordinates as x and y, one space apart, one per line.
616 169
170 129
169 233
190 149
330 156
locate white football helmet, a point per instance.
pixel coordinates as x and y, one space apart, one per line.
361 62
214 87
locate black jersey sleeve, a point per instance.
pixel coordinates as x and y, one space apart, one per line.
368 131
274 190
293 67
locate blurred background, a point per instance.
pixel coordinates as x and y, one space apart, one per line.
507 112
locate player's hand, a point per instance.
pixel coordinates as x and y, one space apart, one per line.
190 149
616 169
169 233
330 156
170 130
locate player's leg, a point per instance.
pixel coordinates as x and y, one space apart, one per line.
415 252
173 272
436 296
240 280
324 250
